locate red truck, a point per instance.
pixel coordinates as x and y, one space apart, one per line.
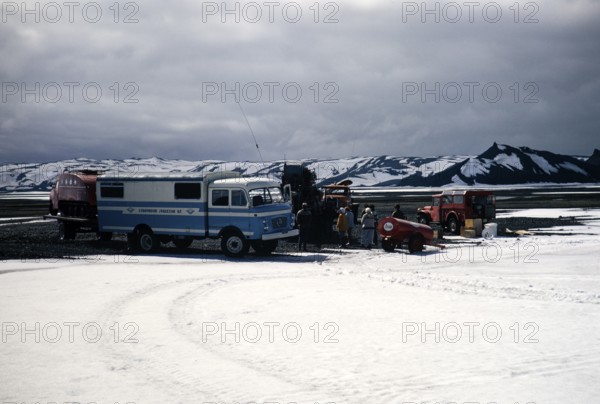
73 203
451 209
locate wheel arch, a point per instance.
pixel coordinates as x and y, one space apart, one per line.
229 230
425 215
142 226
452 215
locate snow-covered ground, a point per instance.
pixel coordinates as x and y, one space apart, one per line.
504 320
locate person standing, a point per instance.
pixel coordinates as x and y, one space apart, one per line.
362 212
329 217
368 228
342 227
303 219
350 217
374 213
397 213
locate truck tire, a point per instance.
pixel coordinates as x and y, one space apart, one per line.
388 244
146 241
66 231
416 243
264 247
52 211
423 219
453 225
234 245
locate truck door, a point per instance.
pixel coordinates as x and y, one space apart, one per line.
227 207
490 207
435 209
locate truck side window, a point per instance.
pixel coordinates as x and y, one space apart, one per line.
187 190
238 198
436 202
220 197
458 199
111 190
446 200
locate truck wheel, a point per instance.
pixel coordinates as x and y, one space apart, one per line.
146 241
52 211
183 242
131 242
234 245
453 225
416 243
423 219
264 247
66 231
388 244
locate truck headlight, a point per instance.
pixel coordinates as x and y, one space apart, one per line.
265 225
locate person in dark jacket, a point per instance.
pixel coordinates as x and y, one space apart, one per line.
303 220
397 213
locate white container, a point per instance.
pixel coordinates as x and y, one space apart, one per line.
490 230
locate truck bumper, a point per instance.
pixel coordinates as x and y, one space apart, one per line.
285 234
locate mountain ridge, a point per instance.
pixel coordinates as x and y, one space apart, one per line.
498 165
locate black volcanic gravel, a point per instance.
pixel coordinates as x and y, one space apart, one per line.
40 241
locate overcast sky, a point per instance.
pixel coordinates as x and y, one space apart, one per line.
315 79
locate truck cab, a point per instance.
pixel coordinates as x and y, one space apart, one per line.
254 207
451 209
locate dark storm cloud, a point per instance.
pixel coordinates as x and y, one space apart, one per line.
379 81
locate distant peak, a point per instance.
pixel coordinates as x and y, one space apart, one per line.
494 150
594 159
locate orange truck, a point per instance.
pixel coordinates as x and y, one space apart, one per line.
450 209
339 193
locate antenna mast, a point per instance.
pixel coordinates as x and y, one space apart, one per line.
252 132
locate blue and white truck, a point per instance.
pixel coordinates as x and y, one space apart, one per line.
154 208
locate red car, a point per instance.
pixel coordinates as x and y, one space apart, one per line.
394 232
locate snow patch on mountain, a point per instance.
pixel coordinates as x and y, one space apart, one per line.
573 167
509 160
474 167
543 163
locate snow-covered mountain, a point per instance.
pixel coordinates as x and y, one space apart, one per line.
507 165
363 171
499 165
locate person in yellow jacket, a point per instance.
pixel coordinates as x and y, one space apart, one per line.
342 227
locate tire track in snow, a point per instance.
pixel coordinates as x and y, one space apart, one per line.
149 359
277 372
171 353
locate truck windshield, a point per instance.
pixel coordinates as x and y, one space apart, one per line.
263 196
